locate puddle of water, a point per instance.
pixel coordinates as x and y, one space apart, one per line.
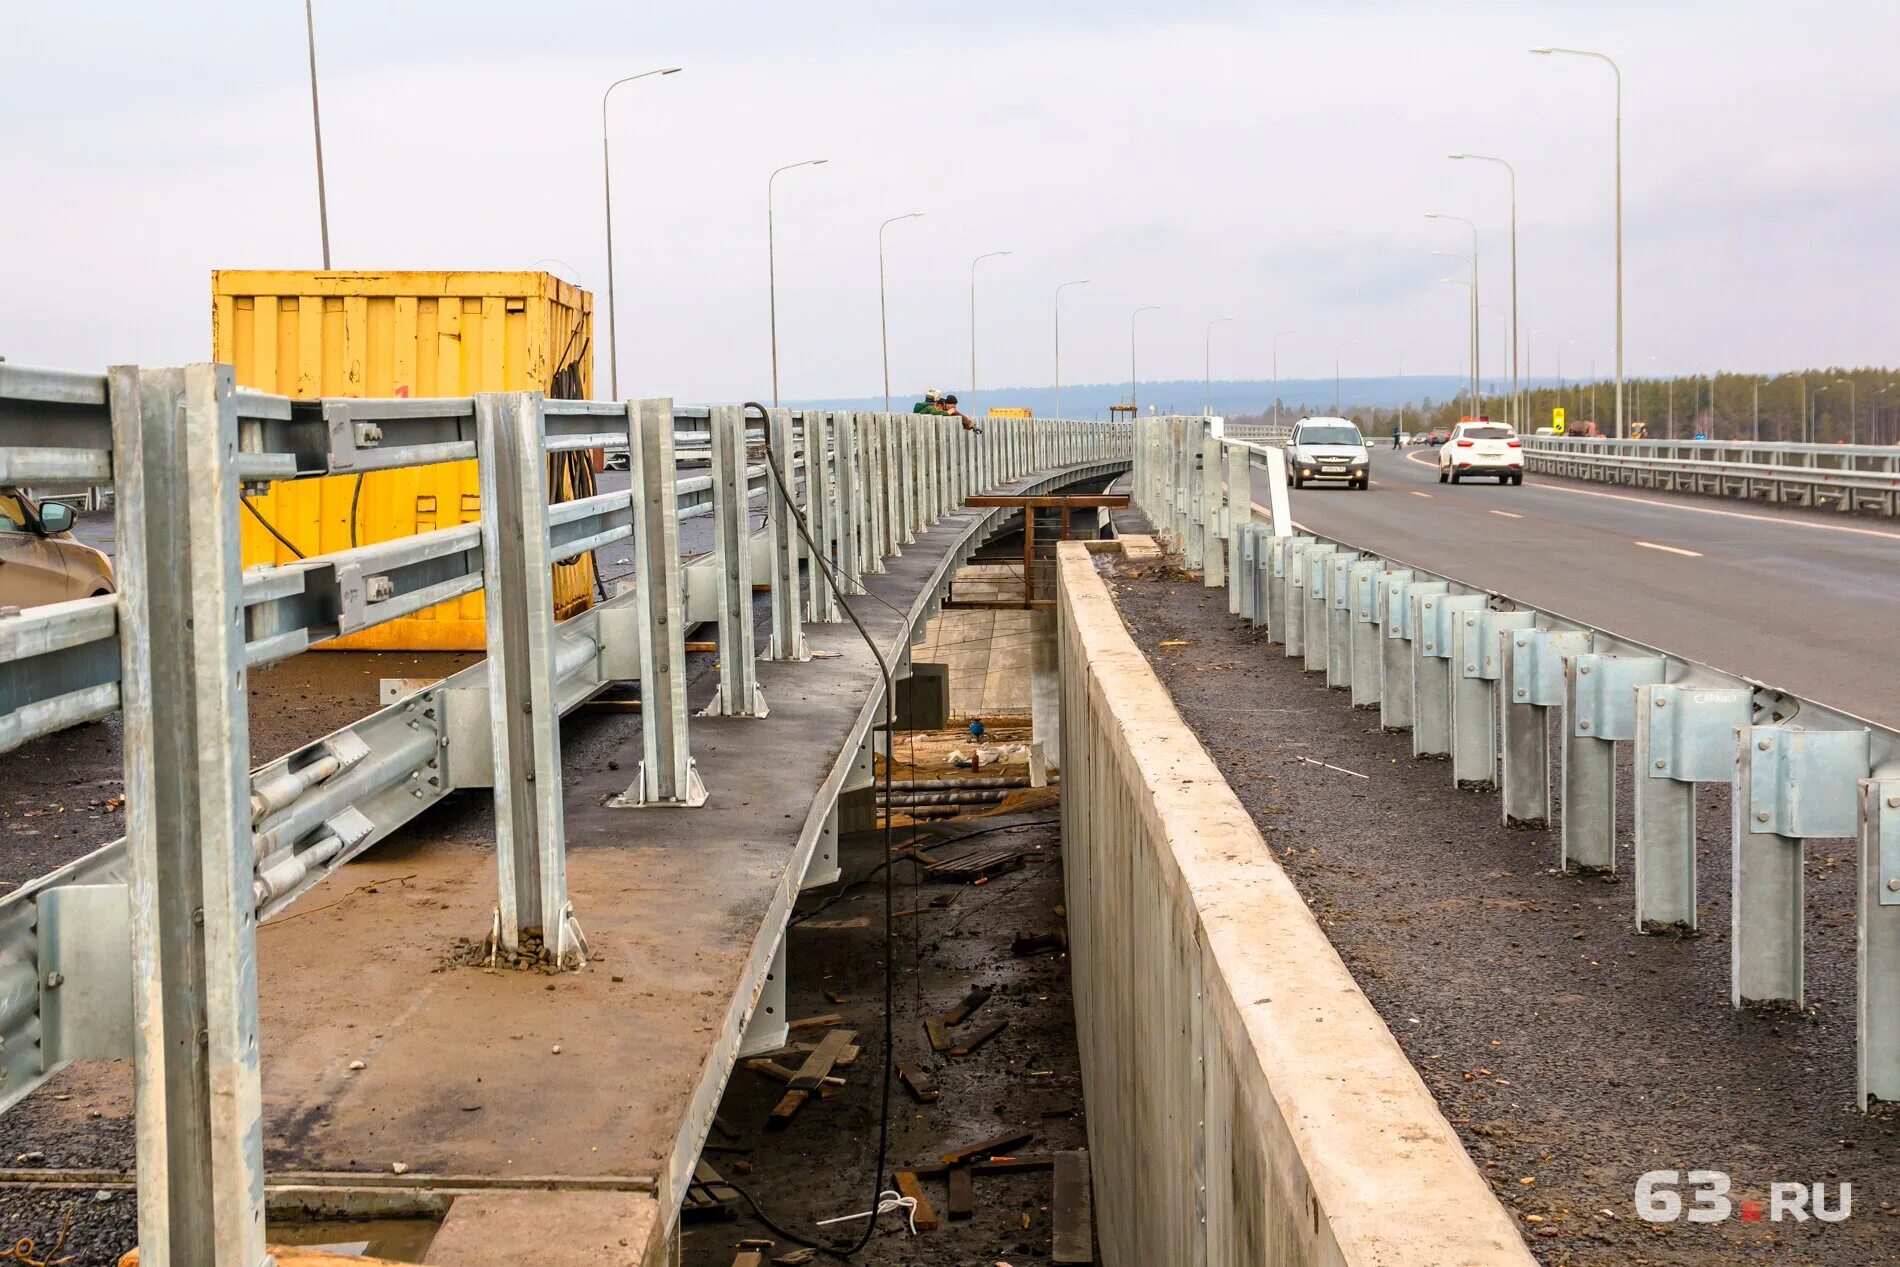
399 1240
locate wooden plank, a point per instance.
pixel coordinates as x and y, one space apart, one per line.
817 1022
749 1258
938 1032
786 1107
967 1045
962 1195
771 1069
1071 1210
922 1087
992 1166
986 1148
964 1010
925 1216
817 1067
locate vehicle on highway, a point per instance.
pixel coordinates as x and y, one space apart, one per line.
1491 450
1328 449
40 562
1434 439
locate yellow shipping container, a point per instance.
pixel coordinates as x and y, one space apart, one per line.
387 334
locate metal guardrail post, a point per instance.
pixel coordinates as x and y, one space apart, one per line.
188 824
788 632
668 774
1239 520
909 467
821 512
1532 684
1395 652
1684 735
1338 599
849 524
533 915
1877 1008
739 694
1599 709
1476 666
1789 785
1313 608
1243 587
1292 599
1431 671
1363 641
884 486
1184 454
869 493
1212 561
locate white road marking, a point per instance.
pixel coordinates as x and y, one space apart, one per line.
1508 514
1416 493
1651 545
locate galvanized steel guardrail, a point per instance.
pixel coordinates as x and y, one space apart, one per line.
1475 676
1848 477
145 949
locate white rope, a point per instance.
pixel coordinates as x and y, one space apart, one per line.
886 1202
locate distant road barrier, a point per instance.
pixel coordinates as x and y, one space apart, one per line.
1846 476
1475 676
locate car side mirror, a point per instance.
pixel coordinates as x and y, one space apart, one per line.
56 517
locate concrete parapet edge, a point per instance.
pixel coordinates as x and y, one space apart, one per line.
1246 1102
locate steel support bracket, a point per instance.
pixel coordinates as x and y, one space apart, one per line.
1606 693
1692 731
1484 656
85 974
1883 826
1537 668
1803 783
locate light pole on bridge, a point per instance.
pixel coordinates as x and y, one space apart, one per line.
1058 343
771 262
883 313
1134 376
607 185
1517 420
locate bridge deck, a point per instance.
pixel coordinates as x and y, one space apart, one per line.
461 1082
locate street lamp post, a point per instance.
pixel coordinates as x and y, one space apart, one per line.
607 184
316 126
771 263
1873 421
1472 334
1207 363
1058 309
1134 378
883 316
1814 414
1477 374
1276 374
1618 72
1853 407
990 255
1516 401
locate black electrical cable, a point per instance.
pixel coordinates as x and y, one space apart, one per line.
356 499
271 528
890 728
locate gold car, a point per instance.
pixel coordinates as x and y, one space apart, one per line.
40 561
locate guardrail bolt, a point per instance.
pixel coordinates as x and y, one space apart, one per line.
1583 670
1662 703
54 980
1583 725
1893 886
1893 802
1662 765
1761 816
1765 745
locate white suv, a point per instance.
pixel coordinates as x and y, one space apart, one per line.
1490 449
1328 449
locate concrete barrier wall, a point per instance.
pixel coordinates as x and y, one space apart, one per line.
1247 1106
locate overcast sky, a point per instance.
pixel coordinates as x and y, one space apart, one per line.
1270 162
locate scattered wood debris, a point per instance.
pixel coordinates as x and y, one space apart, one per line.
817 1022
967 1008
986 1148
709 1197
925 1215
816 1070
962 1202
977 864
922 1087
967 1045
1037 943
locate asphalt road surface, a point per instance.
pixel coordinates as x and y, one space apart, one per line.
1805 601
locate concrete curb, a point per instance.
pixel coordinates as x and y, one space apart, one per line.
1245 1099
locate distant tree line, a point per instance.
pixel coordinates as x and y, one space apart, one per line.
1826 406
